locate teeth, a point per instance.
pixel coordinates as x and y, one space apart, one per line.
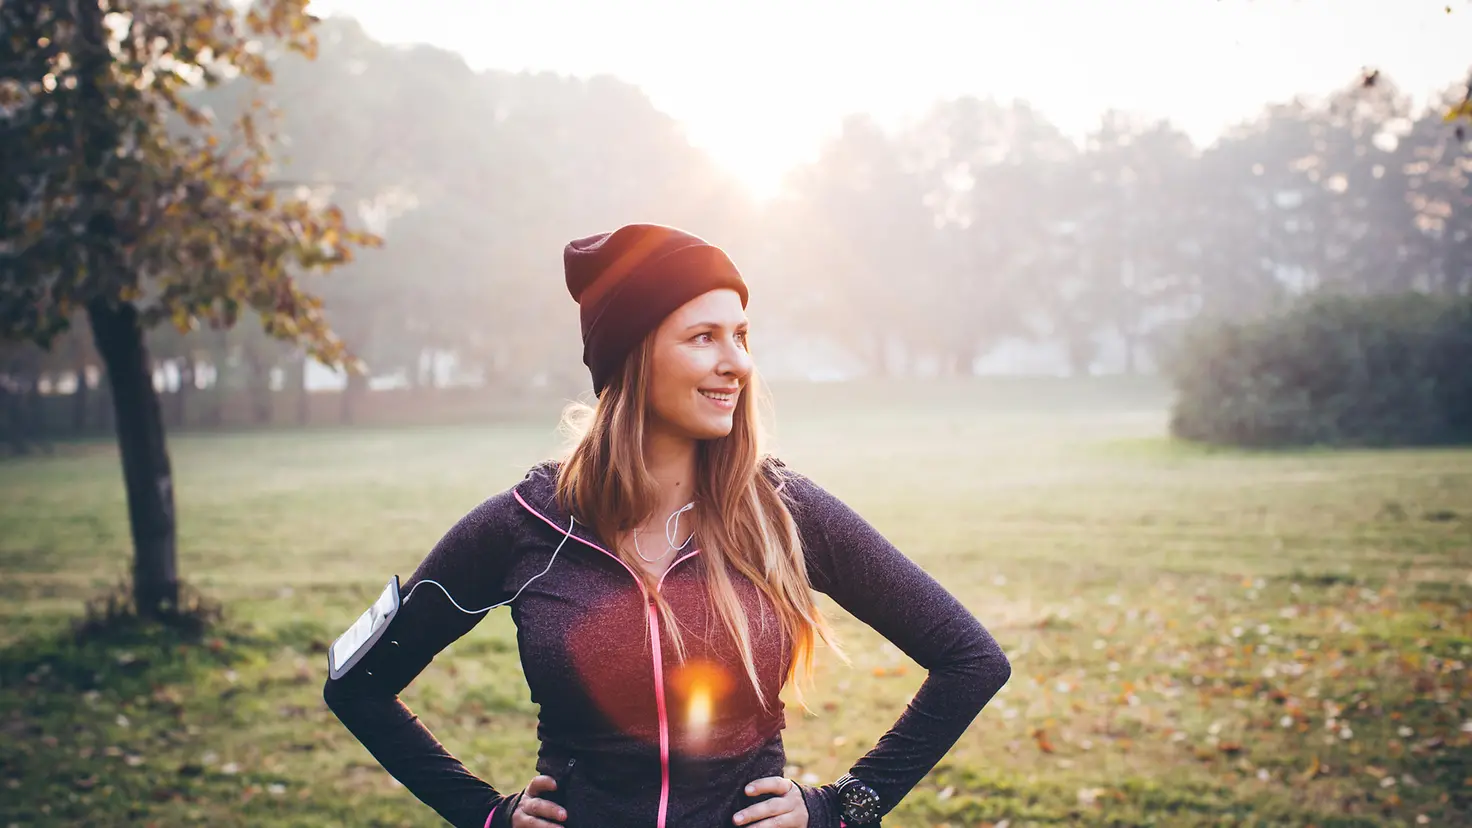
719 396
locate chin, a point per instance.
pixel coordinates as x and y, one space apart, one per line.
712 430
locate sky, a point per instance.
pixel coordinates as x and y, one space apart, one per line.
760 84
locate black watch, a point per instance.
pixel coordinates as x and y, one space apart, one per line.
858 803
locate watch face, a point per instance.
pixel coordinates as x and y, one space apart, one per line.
860 804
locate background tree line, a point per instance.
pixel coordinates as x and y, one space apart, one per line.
978 232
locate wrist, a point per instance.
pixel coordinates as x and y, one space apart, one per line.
822 804
500 816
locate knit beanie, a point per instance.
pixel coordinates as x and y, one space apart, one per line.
627 281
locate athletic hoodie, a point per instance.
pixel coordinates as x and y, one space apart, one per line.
635 736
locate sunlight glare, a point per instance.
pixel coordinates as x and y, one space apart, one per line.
700 708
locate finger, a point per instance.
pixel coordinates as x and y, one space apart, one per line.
780 821
523 820
764 810
542 808
541 784
789 819
778 785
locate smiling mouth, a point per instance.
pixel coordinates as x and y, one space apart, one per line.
720 396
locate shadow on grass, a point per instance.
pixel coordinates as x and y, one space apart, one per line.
108 727
126 660
111 647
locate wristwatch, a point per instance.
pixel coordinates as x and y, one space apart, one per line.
858 803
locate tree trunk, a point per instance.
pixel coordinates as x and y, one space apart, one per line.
106 418
963 361
259 386
214 416
118 335
35 415
20 405
185 367
303 394
876 352
146 471
79 401
217 356
357 384
10 421
263 401
1080 354
1131 344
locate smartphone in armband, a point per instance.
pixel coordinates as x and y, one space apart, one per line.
357 640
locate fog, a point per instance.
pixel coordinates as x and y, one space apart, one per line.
978 238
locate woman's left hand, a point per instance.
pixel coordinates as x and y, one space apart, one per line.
785 810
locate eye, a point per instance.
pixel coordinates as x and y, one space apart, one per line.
703 337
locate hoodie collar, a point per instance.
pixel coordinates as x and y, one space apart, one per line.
537 493
538 490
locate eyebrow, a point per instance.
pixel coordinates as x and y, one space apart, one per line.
742 324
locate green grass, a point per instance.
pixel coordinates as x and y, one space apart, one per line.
1199 636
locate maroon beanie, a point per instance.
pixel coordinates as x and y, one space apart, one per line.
626 282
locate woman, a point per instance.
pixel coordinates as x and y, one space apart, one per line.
657 640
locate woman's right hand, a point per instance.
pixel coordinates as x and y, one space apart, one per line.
534 812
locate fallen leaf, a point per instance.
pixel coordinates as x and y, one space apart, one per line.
1041 737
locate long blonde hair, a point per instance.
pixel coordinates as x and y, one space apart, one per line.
741 516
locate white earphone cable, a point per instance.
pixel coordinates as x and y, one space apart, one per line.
548 568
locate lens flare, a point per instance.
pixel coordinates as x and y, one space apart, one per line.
698 690
698 719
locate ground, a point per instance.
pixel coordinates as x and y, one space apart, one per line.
1198 637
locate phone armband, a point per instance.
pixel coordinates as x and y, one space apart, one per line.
359 639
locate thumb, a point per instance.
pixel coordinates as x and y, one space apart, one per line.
540 785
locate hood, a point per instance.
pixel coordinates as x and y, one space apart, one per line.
537 493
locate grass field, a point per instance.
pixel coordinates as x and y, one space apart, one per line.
1198 637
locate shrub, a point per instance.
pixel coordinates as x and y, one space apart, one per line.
1331 370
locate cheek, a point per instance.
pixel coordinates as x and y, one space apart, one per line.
676 376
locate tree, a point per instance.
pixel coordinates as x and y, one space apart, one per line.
1135 238
857 231
477 180
991 176
1438 173
123 201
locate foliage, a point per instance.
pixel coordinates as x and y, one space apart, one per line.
118 189
1331 370
920 248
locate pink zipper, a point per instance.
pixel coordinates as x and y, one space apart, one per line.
664 718
658 661
664 729
690 554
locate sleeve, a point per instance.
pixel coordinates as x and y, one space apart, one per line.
866 575
470 560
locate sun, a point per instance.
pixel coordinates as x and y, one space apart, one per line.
755 161
756 143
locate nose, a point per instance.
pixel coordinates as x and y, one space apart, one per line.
736 362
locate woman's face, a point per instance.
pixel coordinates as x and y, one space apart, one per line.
700 365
